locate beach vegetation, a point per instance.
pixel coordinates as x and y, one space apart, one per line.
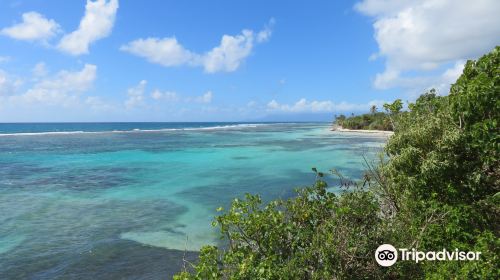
372 121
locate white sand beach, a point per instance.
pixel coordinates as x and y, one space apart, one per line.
376 132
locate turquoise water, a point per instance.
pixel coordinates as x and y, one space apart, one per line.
125 201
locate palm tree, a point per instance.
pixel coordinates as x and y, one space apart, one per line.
373 109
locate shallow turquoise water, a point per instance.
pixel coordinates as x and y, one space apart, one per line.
127 204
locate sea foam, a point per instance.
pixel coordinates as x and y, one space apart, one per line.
135 130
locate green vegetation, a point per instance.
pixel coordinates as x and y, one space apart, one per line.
437 186
374 120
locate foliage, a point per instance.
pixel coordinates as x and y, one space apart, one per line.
444 169
373 121
394 110
395 107
437 187
316 235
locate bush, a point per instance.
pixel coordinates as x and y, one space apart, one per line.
316 235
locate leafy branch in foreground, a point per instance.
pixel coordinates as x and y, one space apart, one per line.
439 187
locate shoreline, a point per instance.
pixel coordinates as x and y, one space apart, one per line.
378 132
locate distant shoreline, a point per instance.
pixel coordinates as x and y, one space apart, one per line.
373 131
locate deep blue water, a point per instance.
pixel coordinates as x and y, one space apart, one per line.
119 200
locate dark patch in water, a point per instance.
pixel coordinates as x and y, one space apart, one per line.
240 157
77 179
269 187
113 259
19 170
72 240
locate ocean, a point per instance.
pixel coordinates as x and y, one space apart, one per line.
131 200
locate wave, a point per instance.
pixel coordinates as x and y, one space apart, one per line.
137 130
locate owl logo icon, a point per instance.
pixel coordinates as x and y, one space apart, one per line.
386 255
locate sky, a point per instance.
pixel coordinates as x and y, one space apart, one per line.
226 60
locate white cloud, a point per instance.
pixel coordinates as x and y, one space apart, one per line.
170 96
226 57
382 7
426 35
305 106
230 53
166 52
302 106
96 24
60 96
419 84
451 75
33 27
62 89
443 82
266 33
136 95
205 98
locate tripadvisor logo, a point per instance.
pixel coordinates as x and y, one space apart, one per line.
387 255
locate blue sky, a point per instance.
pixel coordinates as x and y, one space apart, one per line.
111 60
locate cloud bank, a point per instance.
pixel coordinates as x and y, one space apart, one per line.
314 106
418 37
62 89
